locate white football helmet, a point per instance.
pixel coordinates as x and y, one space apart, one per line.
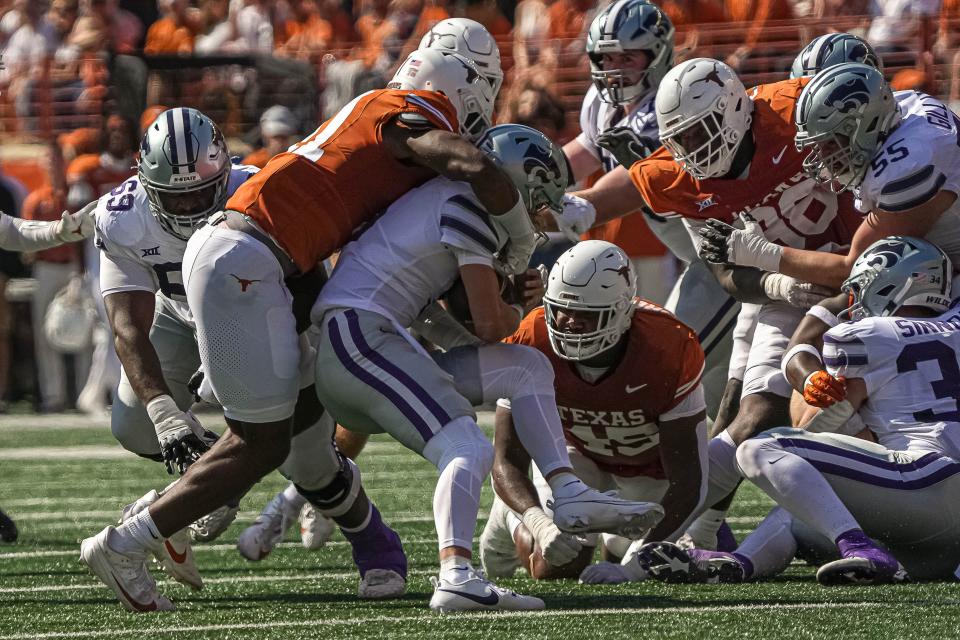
455 77
703 113
470 39
592 276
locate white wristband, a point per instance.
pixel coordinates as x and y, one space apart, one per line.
800 348
824 315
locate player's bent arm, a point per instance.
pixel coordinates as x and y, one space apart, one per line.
831 269
798 364
493 319
453 157
130 314
683 446
511 464
613 196
582 162
745 284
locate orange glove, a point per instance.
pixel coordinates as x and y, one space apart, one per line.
822 390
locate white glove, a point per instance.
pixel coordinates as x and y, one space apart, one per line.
182 439
522 238
74 227
577 217
558 548
610 573
747 247
802 295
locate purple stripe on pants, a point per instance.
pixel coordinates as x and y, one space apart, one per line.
419 392
890 483
375 383
899 467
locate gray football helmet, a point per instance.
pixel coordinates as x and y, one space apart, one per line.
624 26
843 116
536 165
833 49
184 167
898 271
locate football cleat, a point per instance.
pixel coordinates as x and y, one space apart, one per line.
466 589
378 584
316 529
210 526
125 574
586 510
8 528
176 555
864 567
258 540
498 553
668 562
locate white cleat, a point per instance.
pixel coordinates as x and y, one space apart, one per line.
258 540
379 584
176 558
469 590
498 553
316 529
210 526
125 574
581 509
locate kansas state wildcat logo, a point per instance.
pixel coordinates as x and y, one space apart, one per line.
887 255
849 96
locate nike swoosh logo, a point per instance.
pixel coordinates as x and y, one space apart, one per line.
630 389
489 600
779 156
178 557
139 606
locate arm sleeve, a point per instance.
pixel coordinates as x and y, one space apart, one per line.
27 235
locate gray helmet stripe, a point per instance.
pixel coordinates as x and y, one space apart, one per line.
172 133
191 153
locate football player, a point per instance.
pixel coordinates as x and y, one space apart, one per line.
832 49
630 47
897 152
470 39
842 497
642 434
304 205
373 376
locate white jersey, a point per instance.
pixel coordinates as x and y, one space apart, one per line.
412 255
920 158
136 253
911 367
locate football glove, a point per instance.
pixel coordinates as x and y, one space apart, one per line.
724 244
74 227
822 390
625 145
576 218
802 295
558 548
182 439
612 573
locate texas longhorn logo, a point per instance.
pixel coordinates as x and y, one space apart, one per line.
244 283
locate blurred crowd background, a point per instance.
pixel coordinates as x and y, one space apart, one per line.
81 78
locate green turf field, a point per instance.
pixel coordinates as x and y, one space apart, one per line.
63 478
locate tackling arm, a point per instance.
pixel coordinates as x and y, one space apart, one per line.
27 235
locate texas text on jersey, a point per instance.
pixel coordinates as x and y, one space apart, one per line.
313 198
613 421
792 209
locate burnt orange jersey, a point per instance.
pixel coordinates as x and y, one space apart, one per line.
613 421
101 173
792 209
312 199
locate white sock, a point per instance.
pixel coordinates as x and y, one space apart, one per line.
454 563
704 529
724 474
537 423
771 546
137 535
795 485
293 500
513 522
565 484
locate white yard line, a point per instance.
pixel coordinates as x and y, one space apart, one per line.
418 619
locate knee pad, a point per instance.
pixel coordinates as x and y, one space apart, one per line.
461 439
335 498
515 371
